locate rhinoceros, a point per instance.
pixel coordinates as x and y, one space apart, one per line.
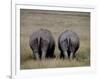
42 44
68 44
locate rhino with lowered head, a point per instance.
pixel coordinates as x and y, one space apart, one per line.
68 43
42 44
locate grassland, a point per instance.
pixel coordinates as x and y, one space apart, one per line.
56 22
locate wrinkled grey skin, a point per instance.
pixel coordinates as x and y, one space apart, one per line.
68 43
42 44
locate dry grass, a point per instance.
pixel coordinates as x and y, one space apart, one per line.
56 22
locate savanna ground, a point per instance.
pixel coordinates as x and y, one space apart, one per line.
56 22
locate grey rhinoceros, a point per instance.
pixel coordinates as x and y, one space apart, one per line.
68 43
42 44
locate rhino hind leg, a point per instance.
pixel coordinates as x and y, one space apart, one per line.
50 52
66 55
71 55
61 55
36 56
43 55
52 55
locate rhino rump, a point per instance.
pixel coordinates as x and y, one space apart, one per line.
68 41
42 39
